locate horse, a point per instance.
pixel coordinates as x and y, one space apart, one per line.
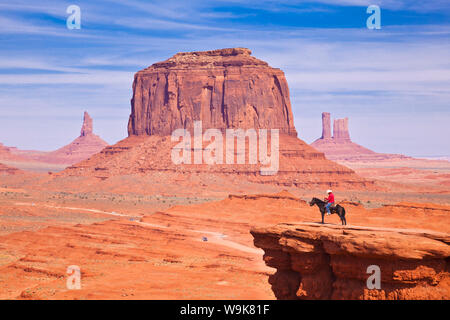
336 209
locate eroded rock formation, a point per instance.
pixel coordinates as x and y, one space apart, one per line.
299 164
87 127
316 261
326 125
4 169
225 88
7 154
340 147
340 130
3 148
86 145
78 150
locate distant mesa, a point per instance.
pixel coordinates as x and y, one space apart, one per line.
78 150
86 145
4 169
340 128
226 88
11 154
4 149
340 146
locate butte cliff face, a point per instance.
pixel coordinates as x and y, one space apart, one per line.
340 130
330 262
225 88
340 147
87 128
326 125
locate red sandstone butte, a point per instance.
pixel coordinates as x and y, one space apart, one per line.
226 88
340 147
83 147
87 127
326 125
340 130
78 150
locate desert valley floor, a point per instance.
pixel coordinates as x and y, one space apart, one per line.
184 240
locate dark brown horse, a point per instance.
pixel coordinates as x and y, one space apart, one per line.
336 209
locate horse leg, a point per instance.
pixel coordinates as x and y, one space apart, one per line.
323 214
341 216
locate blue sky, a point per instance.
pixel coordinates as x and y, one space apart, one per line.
393 83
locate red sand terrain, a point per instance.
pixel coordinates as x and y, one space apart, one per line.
425 179
140 235
136 252
300 165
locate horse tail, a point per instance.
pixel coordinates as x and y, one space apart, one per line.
342 216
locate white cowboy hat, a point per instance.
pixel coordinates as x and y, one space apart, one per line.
329 191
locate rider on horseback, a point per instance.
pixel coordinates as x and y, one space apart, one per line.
330 201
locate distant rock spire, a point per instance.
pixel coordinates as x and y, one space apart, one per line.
326 125
340 129
87 128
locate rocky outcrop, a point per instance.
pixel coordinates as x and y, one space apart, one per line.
4 169
87 127
7 153
78 150
340 147
83 147
316 261
225 88
283 195
3 148
326 125
340 130
299 165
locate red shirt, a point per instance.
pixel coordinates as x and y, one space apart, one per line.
330 198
